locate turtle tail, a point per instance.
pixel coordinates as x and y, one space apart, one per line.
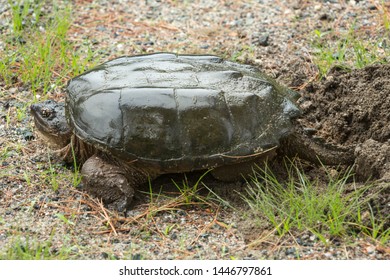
314 149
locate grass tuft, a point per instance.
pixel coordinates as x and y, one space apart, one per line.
38 54
190 192
351 49
300 204
26 249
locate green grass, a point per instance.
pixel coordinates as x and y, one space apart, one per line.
52 176
352 48
57 174
20 248
348 52
242 53
187 195
299 204
38 54
65 220
189 191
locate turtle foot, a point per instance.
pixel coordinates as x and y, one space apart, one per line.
108 182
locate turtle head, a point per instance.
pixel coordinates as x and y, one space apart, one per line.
50 120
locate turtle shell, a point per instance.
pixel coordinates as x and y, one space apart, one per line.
179 112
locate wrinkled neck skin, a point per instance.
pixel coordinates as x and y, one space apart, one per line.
54 141
76 151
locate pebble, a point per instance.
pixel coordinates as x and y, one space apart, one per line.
370 249
136 257
225 249
190 248
263 40
328 255
204 235
101 28
291 251
28 136
12 90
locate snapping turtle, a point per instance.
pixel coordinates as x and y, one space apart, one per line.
134 118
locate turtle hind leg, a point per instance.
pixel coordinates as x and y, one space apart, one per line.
315 149
113 183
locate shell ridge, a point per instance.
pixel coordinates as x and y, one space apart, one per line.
105 75
122 137
231 117
178 123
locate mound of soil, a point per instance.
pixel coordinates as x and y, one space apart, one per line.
351 109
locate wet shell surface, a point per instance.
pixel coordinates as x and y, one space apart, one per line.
179 112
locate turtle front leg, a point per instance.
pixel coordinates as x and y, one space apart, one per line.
111 182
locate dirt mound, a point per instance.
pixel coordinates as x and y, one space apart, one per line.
353 109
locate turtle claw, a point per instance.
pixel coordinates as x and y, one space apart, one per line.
121 205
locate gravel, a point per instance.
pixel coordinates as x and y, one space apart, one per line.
276 36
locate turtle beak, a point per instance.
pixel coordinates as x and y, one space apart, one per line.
34 109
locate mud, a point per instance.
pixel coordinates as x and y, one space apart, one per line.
351 109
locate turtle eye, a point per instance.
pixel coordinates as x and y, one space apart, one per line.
46 112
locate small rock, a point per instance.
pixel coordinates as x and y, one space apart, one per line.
182 213
204 235
136 257
101 28
21 40
370 249
12 91
263 40
149 43
383 44
325 17
74 249
28 135
291 251
225 249
328 255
